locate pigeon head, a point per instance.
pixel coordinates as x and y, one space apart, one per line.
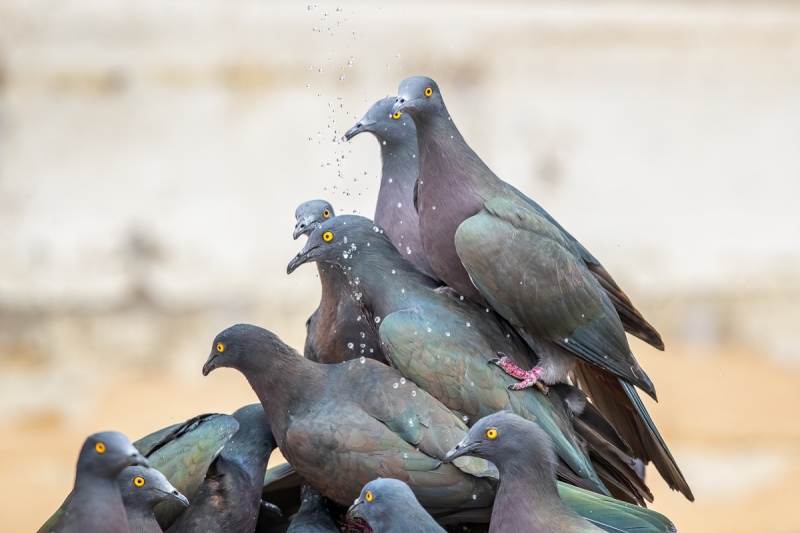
308 214
502 438
144 488
340 240
106 454
418 96
388 126
377 501
241 346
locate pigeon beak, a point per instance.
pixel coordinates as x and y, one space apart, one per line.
464 447
354 512
137 458
210 364
271 508
303 227
402 103
178 497
360 127
304 256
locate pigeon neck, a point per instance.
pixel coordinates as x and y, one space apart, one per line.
283 382
142 519
333 283
97 500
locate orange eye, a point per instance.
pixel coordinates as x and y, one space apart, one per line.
491 433
100 447
220 347
138 481
397 115
428 92
327 236
368 496
326 213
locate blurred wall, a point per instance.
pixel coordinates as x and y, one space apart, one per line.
152 154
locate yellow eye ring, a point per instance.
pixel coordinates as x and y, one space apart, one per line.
327 236
139 481
397 115
326 213
368 496
428 92
100 447
491 433
220 347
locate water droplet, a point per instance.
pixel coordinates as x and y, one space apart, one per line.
395 385
402 381
408 250
474 497
390 180
429 330
466 418
363 359
393 271
377 320
410 422
446 333
362 335
350 345
467 324
413 393
383 143
399 204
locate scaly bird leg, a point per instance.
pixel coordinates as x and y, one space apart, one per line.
528 378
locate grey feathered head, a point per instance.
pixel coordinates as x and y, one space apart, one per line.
418 96
143 488
309 214
387 126
107 453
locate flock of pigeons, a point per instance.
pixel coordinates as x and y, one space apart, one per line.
467 370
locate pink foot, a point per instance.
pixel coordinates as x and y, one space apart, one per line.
528 378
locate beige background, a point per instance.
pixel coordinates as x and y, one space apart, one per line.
152 154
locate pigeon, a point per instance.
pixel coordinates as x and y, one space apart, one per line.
495 246
229 499
530 499
336 331
96 504
142 489
389 506
182 453
395 211
313 516
344 425
444 343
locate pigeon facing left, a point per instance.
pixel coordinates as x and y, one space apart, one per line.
389 506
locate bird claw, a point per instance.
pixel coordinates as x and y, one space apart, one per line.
528 378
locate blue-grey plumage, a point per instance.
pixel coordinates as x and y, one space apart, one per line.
142 489
389 506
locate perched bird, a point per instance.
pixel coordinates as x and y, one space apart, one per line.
443 344
395 211
182 453
230 496
142 489
313 516
344 425
96 504
336 331
495 246
389 506
529 498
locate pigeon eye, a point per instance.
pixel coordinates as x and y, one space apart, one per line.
368 496
397 115
138 481
220 347
100 447
491 433
428 92
326 213
327 236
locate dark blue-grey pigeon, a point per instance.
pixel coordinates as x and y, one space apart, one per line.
389 506
336 331
96 503
230 497
495 246
529 498
313 516
142 489
395 211
443 343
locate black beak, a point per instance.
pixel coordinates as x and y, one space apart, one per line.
302 227
465 447
360 127
271 508
138 459
401 103
353 511
178 497
210 365
304 256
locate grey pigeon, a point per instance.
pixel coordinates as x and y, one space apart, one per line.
313 516
529 498
495 246
336 331
142 489
395 211
389 506
229 499
443 343
344 425
96 504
